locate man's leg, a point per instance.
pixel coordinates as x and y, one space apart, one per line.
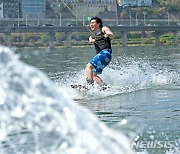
89 73
97 79
91 77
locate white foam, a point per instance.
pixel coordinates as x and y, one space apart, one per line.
132 75
39 117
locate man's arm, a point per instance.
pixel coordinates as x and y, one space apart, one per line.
108 33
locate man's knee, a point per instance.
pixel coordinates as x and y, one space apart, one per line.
89 66
95 75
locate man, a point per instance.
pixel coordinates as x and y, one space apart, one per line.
101 38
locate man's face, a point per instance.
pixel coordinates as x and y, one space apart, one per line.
94 25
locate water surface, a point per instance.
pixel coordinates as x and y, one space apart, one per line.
144 90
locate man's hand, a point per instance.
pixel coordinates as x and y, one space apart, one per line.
106 35
91 40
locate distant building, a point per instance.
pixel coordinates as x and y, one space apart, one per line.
33 8
86 8
109 18
1 10
11 8
144 2
125 3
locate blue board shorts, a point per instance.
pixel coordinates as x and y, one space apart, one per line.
101 60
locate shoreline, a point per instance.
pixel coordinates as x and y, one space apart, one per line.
85 46
133 39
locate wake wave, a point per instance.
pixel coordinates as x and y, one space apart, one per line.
37 117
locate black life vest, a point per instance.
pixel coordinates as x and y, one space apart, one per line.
101 42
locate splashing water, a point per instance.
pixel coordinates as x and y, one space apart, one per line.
124 76
38 117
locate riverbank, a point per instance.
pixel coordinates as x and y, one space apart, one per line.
81 40
116 42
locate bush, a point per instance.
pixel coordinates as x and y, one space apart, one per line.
60 37
45 38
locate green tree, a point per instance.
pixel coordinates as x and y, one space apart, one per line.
45 38
24 37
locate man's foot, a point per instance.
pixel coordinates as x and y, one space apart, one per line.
90 83
103 86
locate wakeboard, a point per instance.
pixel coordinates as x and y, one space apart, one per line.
79 87
85 87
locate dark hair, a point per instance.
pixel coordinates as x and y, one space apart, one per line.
98 20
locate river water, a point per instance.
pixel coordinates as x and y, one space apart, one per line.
142 103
